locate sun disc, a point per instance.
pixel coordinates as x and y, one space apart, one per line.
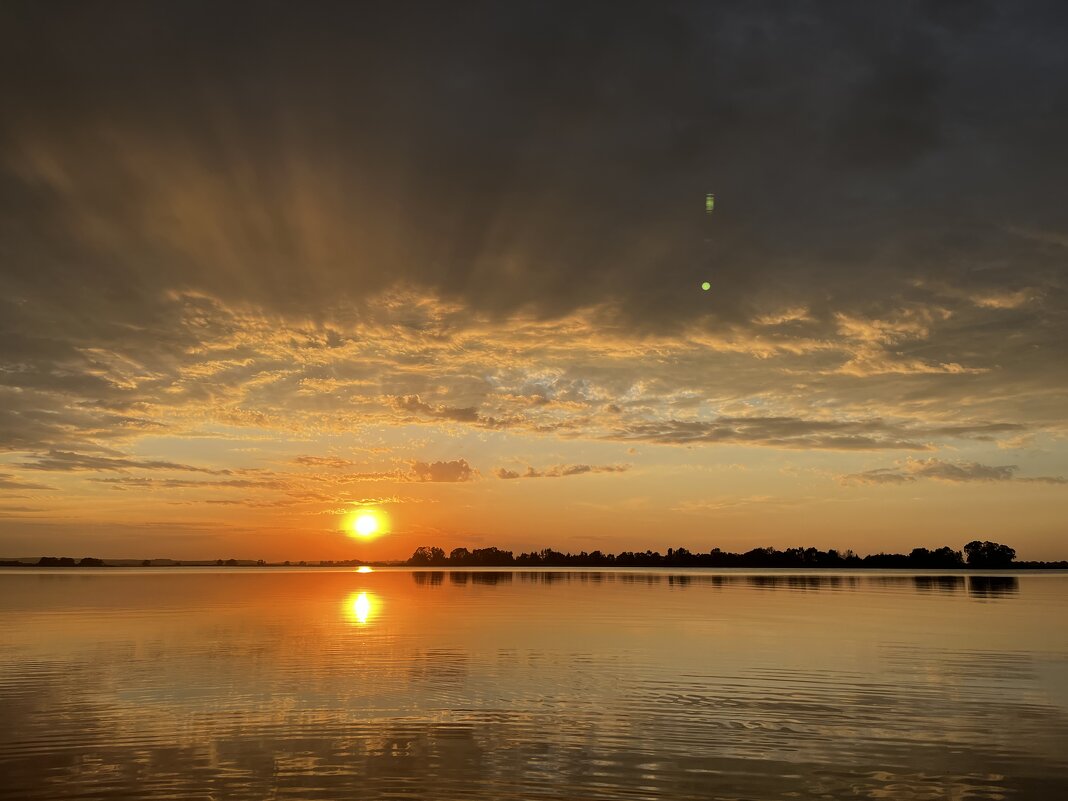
365 524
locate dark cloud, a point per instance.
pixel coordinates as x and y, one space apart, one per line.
34 419
940 470
334 462
559 471
66 462
882 475
412 403
11 482
794 432
962 471
177 483
494 152
454 471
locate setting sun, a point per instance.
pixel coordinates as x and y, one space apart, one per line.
367 524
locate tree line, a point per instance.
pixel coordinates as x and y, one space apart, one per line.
976 554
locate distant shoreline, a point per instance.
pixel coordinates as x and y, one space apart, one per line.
326 565
976 555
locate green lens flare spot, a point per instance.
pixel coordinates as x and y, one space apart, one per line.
706 286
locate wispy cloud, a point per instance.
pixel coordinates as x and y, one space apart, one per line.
940 470
68 461
560 471
333 462
11 482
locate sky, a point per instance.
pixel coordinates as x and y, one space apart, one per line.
265 265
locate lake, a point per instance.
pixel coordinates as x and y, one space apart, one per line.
190 683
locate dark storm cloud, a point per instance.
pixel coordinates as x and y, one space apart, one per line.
522 153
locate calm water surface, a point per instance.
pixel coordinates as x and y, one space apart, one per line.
270 684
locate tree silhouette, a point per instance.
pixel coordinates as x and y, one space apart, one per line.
426 555
980 554
989 555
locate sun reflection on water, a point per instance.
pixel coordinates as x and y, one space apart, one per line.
361 607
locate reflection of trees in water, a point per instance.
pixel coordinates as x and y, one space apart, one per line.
992 586
765 582
432 577
640 578
490 577
493 577
978 586
543 576
947 584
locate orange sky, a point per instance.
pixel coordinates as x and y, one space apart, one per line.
267 434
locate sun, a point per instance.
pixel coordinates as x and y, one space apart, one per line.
366 524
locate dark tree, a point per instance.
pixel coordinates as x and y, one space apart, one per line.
980 554
491 557
426 555
989 555
56 561
947 557
944 557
